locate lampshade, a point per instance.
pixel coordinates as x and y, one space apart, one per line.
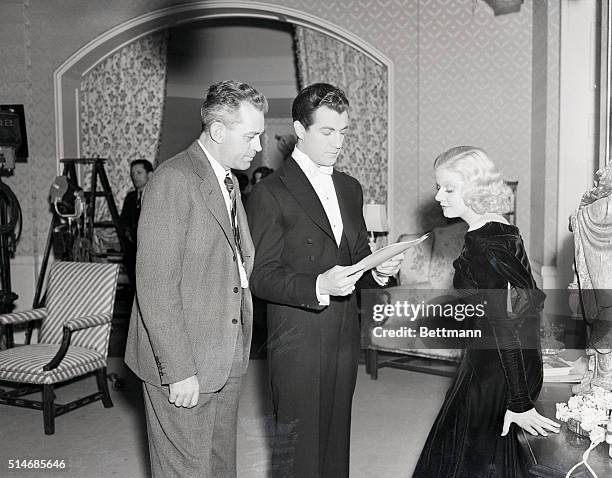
375 216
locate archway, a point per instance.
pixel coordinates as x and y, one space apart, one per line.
67 77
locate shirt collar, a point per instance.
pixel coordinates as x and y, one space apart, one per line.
310 168
219 170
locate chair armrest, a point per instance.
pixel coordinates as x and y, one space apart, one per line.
61 353
71 326
23 317
87 321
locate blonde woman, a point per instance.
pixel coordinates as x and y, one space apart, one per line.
500 376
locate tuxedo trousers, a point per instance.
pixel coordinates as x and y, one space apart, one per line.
199 441
313 369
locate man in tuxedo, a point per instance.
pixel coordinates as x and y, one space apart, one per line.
308 229
190 331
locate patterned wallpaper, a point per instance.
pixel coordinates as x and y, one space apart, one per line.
475 89
462 75
365 154
37 36
16 88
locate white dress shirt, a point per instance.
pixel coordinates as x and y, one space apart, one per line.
220 173
320 177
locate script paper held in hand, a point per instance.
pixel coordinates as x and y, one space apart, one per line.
386 253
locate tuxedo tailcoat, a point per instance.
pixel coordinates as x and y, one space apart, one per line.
313 350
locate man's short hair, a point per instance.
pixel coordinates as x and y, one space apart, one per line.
223 101
145 163
313 97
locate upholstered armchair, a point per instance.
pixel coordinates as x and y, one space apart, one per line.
73 340
427 268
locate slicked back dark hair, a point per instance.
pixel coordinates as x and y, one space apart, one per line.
313 97
223 101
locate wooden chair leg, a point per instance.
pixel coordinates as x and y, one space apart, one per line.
103 387
373 363
49 409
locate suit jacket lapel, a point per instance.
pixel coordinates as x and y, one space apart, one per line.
210 189
344 202
300 188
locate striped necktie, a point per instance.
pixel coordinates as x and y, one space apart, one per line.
229 184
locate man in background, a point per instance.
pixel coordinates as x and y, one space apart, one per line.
140 171
308 229
191 323
260 173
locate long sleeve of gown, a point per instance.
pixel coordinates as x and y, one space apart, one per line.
503 265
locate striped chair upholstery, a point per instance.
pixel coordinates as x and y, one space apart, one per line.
97 284
25 364
73 339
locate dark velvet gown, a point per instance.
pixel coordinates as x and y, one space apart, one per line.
500 371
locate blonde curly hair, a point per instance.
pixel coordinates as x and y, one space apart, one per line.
484 190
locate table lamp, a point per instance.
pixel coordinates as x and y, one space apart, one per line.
375 216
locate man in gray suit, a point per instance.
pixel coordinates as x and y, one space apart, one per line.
190 331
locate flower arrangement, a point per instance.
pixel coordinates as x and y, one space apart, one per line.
583 413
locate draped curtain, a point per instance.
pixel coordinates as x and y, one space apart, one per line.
122 101
321 58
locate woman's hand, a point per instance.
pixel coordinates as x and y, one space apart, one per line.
530 421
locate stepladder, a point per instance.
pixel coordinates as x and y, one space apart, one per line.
71 235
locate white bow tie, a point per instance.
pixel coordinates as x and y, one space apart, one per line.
322 170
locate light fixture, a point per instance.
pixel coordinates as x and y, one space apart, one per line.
375 216
501 7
